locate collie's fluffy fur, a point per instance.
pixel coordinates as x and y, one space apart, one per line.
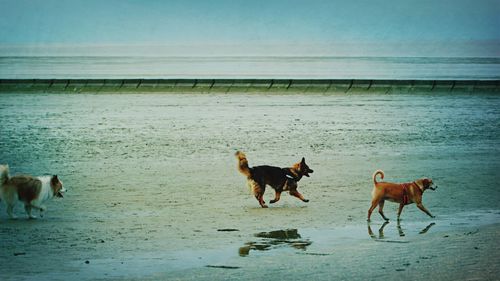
31 191
280 179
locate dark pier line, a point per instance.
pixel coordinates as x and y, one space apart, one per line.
247 85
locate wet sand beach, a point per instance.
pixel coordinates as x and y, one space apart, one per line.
154 193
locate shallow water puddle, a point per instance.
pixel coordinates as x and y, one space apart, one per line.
324 241
274 240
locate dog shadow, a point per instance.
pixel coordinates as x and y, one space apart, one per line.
398 227
275 239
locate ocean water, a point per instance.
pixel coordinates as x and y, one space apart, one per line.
275 67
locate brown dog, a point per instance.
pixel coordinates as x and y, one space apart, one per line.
280 179
402 193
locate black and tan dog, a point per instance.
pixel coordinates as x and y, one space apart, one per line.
402 193
280 179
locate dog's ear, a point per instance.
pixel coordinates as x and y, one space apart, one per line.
303 160
55 179
425 182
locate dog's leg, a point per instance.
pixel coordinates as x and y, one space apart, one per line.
41 208
400 210
10 211
42 211
260 198
381 210
258 191
421 207
372 207
27 208
277 197
298 195
400 230
259 195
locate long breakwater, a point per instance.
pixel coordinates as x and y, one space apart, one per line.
247 85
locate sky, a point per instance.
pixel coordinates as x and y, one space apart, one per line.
470 27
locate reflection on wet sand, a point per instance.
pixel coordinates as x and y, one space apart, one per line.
423 231
399 228
380 231
274 239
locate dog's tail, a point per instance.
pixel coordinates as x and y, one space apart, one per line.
4 174
378 172
243 163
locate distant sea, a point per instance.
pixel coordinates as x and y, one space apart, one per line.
270 67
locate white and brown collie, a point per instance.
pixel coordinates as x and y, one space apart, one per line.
31 191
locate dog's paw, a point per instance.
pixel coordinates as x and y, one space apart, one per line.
264 206
305 200
32 217
272 201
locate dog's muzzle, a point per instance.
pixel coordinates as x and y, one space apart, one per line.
307 173
60 193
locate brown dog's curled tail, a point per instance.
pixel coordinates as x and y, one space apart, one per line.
243 163
378 172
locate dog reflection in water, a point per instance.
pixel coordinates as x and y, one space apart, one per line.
274 239
398 226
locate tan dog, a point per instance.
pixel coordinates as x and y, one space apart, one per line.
31 191
402 193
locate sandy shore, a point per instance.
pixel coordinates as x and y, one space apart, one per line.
153 191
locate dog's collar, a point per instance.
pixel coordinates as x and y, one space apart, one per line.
406 200
290 174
